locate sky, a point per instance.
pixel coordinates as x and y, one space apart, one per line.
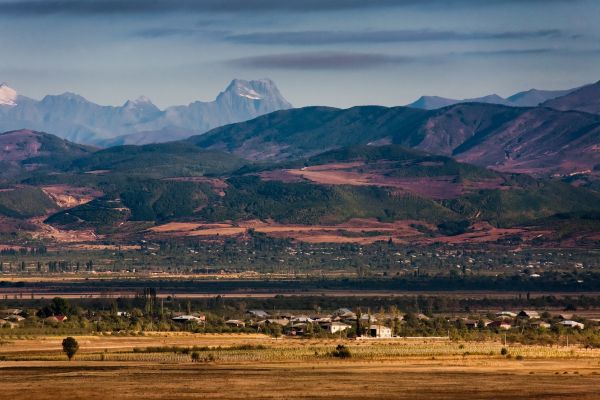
319 52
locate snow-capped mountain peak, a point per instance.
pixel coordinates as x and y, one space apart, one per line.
248 93
138 121
142 100
8 95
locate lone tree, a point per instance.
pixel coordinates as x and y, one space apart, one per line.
70 347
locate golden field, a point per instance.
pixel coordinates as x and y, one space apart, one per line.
256 366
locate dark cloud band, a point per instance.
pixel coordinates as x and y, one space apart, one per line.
100 7
315 38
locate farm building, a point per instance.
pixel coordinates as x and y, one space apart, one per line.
344 313
572 324
189 318
335 327
275 321
528 314
14 318
539 324
10 311
7 324
235 323
258 313
500 324
380 331
506 314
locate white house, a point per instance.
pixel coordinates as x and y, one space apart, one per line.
189 318
380 331
506 314
572 324
336 327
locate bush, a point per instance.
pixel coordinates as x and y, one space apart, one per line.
504 351
341 351
70 347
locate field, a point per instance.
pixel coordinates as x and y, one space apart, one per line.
356 230
254 366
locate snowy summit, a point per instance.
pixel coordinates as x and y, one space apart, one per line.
8 95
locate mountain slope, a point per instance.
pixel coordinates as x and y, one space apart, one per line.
586 99
506 138
26 150
529 98
73 117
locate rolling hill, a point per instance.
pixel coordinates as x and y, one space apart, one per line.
585 99
25 150
531 140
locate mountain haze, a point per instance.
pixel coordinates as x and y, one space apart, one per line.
139 121
529 98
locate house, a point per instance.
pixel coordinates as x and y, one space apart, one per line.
506 314
7 324
302 319
298 329
61 318
322 320
471 323
335 327
380 331
500 324
258 313
528 314
422 317
235 323
368 318
275 321
14 318
572 324
10 311
539 324
344 313
189 318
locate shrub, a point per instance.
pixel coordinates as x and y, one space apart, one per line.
504 351
341 351
70 347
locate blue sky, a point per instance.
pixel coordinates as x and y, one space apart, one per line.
330 52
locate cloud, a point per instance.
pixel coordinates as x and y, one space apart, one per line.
316 38
331 60
325 60
101 7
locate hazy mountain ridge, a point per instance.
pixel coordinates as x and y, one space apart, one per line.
72 117
585 99
528 98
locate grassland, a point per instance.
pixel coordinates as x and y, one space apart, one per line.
254 366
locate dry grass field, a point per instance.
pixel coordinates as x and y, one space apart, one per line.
107 368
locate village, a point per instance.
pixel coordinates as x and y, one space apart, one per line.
342 322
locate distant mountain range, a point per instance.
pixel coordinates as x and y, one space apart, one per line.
529 98
72 117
